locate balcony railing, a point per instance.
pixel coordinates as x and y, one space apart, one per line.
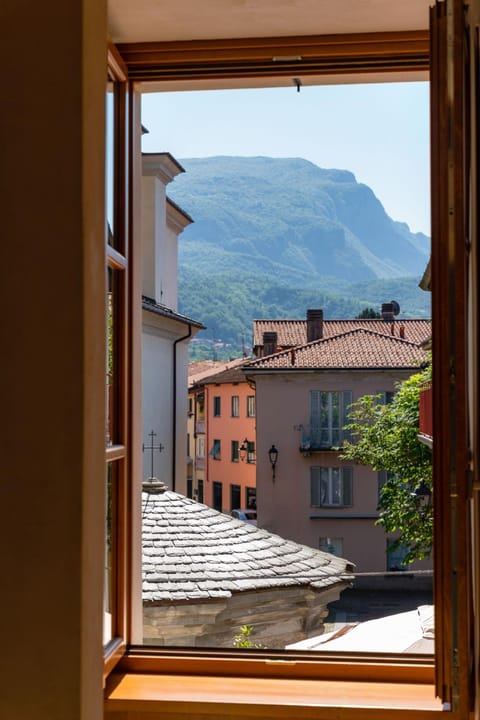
316 439
425 422
200 427
200 463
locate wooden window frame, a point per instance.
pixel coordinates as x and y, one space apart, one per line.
455 568
117 452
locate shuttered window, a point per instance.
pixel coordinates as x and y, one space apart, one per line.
328 416
331 487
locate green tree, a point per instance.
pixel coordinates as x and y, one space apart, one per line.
385 437
367 312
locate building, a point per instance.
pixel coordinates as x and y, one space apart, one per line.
207 574
53 299
303 396
165 332
224 438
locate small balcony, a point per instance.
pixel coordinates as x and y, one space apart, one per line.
200 427
200 463
315 439
425 421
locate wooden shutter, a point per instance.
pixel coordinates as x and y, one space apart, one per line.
454 387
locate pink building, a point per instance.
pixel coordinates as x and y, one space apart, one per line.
224 439
303 393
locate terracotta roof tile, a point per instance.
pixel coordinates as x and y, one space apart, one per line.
191 551
294 332
358 348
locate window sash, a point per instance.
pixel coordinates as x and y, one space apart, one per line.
235 406
448 272
328 415
331 486
217 406
251 406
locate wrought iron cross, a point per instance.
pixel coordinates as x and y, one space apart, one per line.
152 447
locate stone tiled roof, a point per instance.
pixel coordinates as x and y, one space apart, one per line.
351 350
294 332
193 552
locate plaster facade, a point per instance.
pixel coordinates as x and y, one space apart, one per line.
165 333
284 504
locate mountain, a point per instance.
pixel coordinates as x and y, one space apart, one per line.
273 236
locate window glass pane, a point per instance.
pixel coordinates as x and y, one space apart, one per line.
235 496
108 574
110 164
111 342
251 498
235 406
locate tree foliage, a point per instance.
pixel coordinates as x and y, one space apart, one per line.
368 312
385 437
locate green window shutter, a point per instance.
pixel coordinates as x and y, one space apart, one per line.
347 486
315 399
315 496
347 399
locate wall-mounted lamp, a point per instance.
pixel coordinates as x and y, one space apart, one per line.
273 457
424 495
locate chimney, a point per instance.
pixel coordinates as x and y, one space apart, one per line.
401 331
292 356
269 343
314 325
387 312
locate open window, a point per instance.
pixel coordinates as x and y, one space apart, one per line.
454 81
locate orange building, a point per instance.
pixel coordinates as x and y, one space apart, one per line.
224 439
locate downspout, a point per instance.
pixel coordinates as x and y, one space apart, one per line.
174 405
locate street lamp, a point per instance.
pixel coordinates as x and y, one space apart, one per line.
273 457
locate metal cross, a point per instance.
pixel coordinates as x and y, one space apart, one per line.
152 447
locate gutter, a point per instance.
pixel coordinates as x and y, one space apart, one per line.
174 404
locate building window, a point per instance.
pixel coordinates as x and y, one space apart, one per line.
201 447
216 451
234 450
386 396
189 488
217 496
200 491
328 415
250 451
217 406
330 486
235 497
251 406
396 556
235 406
251 498
332 545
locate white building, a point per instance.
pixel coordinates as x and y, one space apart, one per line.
165 332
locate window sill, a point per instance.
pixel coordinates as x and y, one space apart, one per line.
215 697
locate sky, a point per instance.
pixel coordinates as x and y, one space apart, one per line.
380 132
